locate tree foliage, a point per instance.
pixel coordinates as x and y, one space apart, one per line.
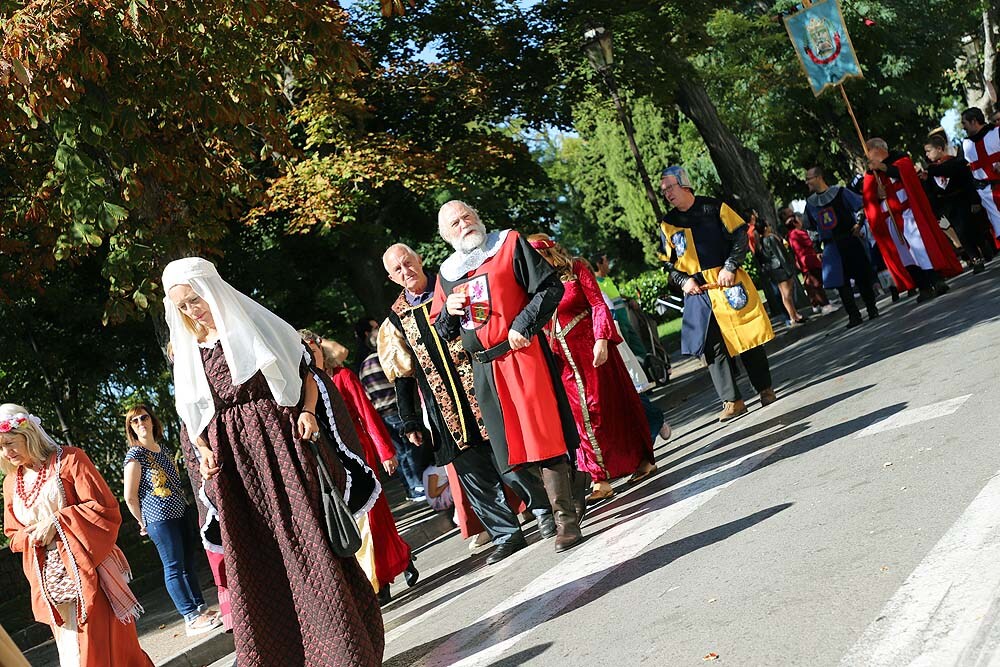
134 131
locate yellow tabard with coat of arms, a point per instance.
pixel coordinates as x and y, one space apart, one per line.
738 309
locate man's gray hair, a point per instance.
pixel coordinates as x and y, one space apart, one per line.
878 144
399 246
680 175
449 204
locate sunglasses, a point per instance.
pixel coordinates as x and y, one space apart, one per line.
138 419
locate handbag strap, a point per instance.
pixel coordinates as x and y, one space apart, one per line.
326 484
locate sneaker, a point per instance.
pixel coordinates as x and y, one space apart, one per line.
480 540
417 498
827 309
201 624
732 410
665 431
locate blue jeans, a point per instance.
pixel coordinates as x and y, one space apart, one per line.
405 452
175 545
654 415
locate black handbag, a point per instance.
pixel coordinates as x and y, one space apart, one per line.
341 528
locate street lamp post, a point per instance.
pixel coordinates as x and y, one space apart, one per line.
597 46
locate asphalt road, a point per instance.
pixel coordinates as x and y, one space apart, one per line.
856 521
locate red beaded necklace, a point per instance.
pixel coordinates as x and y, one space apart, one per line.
30 497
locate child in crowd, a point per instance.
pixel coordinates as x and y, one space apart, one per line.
437 489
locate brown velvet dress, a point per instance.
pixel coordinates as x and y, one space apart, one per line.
294 602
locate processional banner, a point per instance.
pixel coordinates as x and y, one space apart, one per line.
823 45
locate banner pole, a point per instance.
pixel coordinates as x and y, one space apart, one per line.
854 119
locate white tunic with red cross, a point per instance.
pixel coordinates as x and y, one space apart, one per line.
983 156
909 242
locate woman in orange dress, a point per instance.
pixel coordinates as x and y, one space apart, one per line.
60 513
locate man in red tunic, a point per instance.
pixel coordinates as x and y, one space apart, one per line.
496 292
916 251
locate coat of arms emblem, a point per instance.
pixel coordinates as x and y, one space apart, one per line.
679 241
737 296
478 310
824 41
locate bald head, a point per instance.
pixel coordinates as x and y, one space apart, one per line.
405 268
878 149
459 225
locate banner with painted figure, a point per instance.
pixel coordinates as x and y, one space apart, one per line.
822 44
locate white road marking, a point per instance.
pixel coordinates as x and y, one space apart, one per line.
445 594
945 611
915 416
513 619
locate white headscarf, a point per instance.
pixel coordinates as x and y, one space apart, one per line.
252 337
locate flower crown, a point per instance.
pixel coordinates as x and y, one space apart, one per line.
18 422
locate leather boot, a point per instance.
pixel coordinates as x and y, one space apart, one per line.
558 481
581 487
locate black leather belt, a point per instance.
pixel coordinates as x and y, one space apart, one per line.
495 352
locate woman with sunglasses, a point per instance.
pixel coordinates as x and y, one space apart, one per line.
155 498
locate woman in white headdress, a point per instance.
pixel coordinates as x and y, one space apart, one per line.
251 400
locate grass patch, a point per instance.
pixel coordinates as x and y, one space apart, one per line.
670 333
669 328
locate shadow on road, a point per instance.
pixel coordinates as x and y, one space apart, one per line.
561 600
790 425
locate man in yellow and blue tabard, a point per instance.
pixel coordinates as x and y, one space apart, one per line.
704 243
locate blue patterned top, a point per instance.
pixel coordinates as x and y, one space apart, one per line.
160 493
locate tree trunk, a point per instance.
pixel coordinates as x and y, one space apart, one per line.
982 92
738 167
989 56
365 275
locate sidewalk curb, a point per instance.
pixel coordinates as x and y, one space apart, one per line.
213 647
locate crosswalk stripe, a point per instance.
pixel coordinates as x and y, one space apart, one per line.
944 613
516 617
914 416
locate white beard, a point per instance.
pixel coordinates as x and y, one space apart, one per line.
470 242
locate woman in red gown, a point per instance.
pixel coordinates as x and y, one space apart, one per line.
392 553
609 417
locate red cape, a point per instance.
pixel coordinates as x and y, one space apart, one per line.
392 553
939 249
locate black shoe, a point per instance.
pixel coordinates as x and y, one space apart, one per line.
978 267
925 295
872 313
384 596
411 575
853 322
894 293
508 548
547 526
941 288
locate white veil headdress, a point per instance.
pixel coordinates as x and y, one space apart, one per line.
252 338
